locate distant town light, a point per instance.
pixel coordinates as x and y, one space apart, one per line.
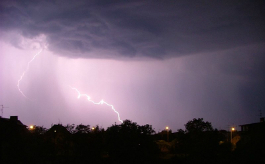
167 127
93 128
233 129
31 127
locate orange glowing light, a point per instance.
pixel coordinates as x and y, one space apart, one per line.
31 127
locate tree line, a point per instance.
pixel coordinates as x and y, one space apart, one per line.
124 143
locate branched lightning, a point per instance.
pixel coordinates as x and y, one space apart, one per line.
97 103
21 77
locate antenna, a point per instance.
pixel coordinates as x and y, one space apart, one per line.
2 110
260 113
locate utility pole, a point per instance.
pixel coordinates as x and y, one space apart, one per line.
2 110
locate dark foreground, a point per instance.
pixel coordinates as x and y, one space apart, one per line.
127 143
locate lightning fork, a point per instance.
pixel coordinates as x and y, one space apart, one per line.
97 103
21 77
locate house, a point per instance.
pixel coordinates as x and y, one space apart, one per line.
13 140
12 127
260 126
61 140
253 133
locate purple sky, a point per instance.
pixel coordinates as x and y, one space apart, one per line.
158 62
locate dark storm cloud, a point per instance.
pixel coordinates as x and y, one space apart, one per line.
157 29
235 76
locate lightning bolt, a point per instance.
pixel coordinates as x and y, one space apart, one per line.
97 103
21 77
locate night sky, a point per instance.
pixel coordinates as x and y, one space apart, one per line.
158 62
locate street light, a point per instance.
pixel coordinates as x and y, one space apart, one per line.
31 127
232 129
167 129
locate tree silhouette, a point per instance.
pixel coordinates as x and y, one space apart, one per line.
70 128
82 128
38 130
198 125
201 141
130 141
